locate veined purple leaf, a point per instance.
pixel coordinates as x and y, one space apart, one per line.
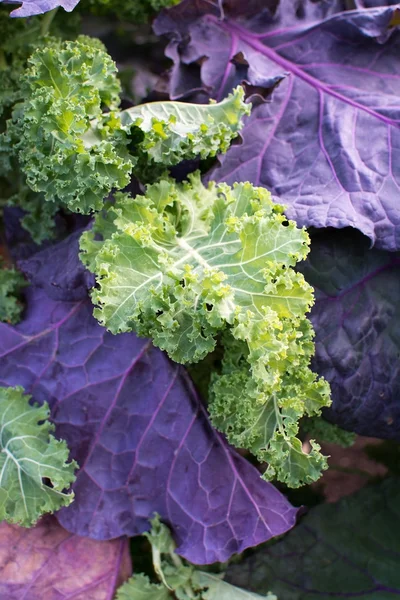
356 318
29 8
58 270
46 562
134 423
328 142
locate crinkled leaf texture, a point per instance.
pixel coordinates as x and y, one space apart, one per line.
139 587
339 84
357 322
135 424
48 563
185 262
75 153
66 88
29 8
11 285
29 455
344 550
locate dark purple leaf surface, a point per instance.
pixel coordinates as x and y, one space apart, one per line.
346 550
46 562
29 8
357 322
140 435
19 242
328 141
58 270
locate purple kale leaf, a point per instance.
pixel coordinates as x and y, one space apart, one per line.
46 562
356 318
328 141
134 423
29 8
346 550
58 270
20 244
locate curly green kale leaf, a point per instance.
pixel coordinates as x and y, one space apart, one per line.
179 579
261 411
75 153
20 38
11 284
67 146
185 262
175 130
29 455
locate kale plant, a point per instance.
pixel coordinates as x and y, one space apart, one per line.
172 336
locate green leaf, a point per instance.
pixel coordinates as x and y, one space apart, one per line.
140 588
218 589
174 131
349 549
185 260
67 147
184 263
179 579
11 284
75 152
262 413
29 456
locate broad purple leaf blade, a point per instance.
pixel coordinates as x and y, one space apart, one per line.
328 142
345 550
134 423
58 270
48 563
356 318
30 8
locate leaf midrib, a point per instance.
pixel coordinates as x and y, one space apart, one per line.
294 69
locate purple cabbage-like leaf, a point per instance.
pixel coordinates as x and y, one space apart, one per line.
349 549
58 270
328 141
29 8
19 242
356 318
46 562
134 423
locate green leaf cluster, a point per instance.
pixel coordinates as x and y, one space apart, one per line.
186 262
178 578
11 284
29 456
20 38
68 148
75 146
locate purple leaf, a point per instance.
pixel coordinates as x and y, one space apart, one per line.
357 322
48 563
58 270
328 142
29 8
135 425
19 242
